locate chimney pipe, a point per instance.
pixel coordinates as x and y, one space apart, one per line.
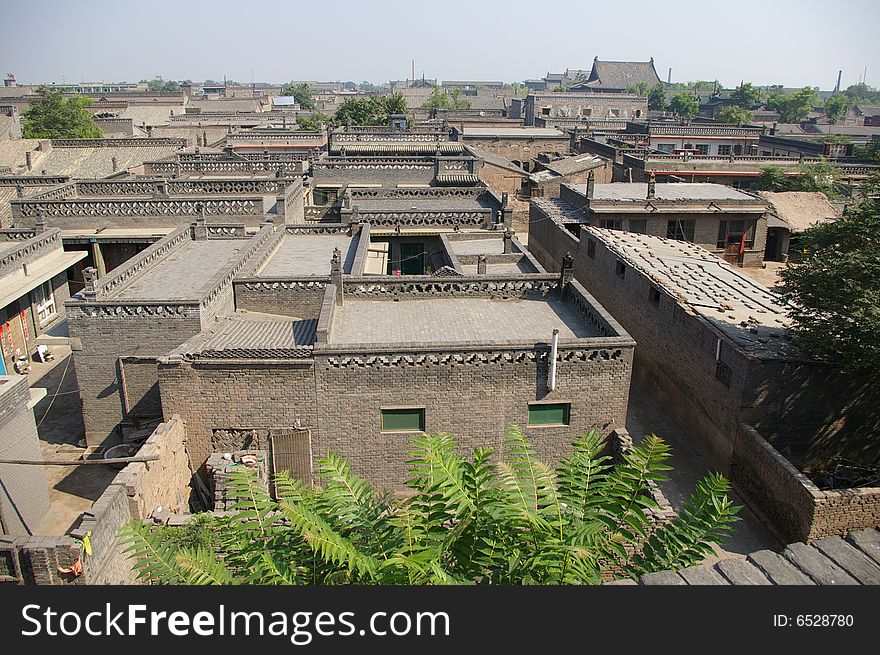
553 350
28 161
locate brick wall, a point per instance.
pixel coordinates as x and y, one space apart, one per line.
297 298
788 502
520 150
138 489
24 496
103 341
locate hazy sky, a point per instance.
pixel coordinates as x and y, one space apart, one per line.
795 43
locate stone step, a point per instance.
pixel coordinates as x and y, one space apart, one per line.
816 565
741 572
850 559
702 575
778 569
867 541
662 578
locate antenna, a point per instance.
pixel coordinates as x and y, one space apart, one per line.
413 78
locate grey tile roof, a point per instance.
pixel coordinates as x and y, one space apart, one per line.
465 320
572 165
515 132
749 315
671 191
254 336
621 74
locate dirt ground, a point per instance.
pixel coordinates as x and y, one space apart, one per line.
72 489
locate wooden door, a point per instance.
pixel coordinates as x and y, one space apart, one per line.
292 451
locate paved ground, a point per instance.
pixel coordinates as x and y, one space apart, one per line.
456 319
187 272
309 254
646 416
72 489
769 276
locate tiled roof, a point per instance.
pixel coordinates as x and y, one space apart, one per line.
571 165
748 314
8 193
621 74
457 178
253 336
401 147
868 110
495 159
801 209
151 114
89 163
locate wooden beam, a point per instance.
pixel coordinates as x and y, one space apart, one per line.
80 462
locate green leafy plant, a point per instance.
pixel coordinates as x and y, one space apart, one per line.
52 116
685 105
734 114
301 94
471 520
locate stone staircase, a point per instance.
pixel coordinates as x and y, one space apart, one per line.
854 560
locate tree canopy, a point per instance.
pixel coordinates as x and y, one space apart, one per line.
313 122
734 114
657 98
862 93
746 96
301 94
471 520
52 116
823 176
685 105
440 99
162 86
773 178
369 111
795 107
836 106
835 285
642 89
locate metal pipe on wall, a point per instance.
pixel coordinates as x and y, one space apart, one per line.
553 348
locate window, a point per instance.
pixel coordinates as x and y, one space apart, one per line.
724 373
638 113
591 249
545 111
681 230
654 295
620 268
45 302
638 225
403 419
611 224
724 151
614 113
586 111
549 413
731 233
665 147
702 148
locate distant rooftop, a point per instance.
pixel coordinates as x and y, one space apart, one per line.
750 315
506 132
464 320
666 191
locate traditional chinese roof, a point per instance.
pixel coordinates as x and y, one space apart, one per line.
620 74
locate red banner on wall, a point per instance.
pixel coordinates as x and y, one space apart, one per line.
24 327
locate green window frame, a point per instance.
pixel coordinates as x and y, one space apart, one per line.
402 419
549 413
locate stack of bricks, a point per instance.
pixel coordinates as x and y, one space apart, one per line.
220 468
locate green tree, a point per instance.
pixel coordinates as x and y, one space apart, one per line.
685 105
862 94
440 99
734 114
559 88
161 86
657 98
746 96
370 111
301 94
470 520
795 107
642 89
836 107
822 176
833 289
52 116
313 122
870 151
773 178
